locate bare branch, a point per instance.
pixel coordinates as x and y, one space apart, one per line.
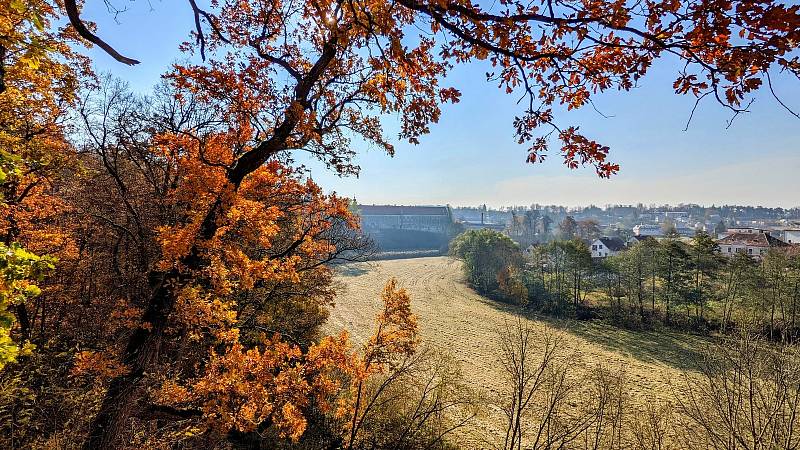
80 27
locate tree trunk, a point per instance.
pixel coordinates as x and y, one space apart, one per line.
141 351
772 320
794 303
2 69
668 289
143 346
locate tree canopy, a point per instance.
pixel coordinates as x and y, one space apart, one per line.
393 55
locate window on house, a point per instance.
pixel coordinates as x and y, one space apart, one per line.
594 247
749 251
729 249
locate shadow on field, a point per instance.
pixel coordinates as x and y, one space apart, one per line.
678 350
675 349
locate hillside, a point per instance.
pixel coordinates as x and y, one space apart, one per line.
453 317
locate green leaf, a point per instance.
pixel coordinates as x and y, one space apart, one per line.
37 22
32 291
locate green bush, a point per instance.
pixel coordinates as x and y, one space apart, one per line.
487 254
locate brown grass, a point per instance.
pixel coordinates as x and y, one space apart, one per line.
455 318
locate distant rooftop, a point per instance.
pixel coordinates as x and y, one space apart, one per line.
400 210
752 240
614 244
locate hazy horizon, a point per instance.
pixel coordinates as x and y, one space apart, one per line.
573 207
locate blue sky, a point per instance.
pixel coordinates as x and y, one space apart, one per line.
471 157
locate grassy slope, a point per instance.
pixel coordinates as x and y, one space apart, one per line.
453 317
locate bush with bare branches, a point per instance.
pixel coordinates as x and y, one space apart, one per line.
745 396
545 405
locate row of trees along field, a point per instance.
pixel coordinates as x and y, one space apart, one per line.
670 281
165 261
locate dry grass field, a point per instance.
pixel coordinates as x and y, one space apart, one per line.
455 318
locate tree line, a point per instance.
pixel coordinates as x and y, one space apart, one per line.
683 283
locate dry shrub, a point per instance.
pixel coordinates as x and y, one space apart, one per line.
652 429
745 396
417 405
545 405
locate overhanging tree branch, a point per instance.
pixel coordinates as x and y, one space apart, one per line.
83 31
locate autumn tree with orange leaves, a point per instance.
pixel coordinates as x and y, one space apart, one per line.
192 270
39 75
239 352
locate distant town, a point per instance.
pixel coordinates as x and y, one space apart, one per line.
606 230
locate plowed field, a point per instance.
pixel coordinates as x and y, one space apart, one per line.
454 317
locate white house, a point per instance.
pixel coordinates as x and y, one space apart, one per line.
791 235
754 244
647 230
606 246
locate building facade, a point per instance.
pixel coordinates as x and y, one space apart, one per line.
751 243
606 246
647 230
792 236
434 219
407 228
